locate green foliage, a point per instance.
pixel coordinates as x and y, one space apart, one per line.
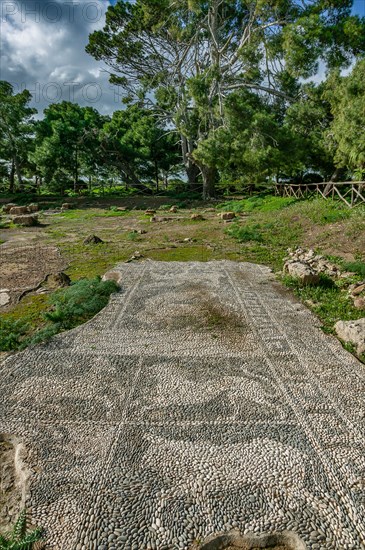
19 538
355 267
12 333
132 236
346 136
327 300
193 86
262 204
40 336
246 233
16 128
139 144
67 145
323 212
69 307
80 302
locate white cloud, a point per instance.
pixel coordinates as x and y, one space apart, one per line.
44 51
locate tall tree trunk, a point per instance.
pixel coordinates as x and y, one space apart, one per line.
156 176
209 180
133 179
209 175
338 174
12 177
192 170
18 172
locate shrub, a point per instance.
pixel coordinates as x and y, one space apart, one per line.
355 267
79 302
19 538
246 233
322 211
42 335
12 334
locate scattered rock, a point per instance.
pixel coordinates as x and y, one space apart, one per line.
358 289
303 272
315 263
26 220
115 276
8 207
33 207
353 332
347 274
93 239
227 216
359 302
136 256
122 209
4 297
18 210
197 217
159 219
57 280
52 212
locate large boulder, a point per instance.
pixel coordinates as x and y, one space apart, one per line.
8 207
303 272
26 220
57 280
226 216
93 239
18 210
352 332
33 207
4 297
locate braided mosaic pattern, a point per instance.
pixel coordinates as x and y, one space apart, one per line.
152 426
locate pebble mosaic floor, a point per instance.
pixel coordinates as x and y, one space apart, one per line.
150 430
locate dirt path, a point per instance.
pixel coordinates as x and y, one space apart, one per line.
201 399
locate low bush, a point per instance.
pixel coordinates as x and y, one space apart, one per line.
322 212
80 302
19 538
68 308
326 299
12 333
246 233
355 267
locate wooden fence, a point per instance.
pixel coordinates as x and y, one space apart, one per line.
352 193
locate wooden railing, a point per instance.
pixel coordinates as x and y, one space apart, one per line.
352 193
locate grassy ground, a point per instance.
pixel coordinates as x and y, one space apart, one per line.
263 231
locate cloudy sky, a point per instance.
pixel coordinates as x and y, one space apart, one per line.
43 49
42 45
